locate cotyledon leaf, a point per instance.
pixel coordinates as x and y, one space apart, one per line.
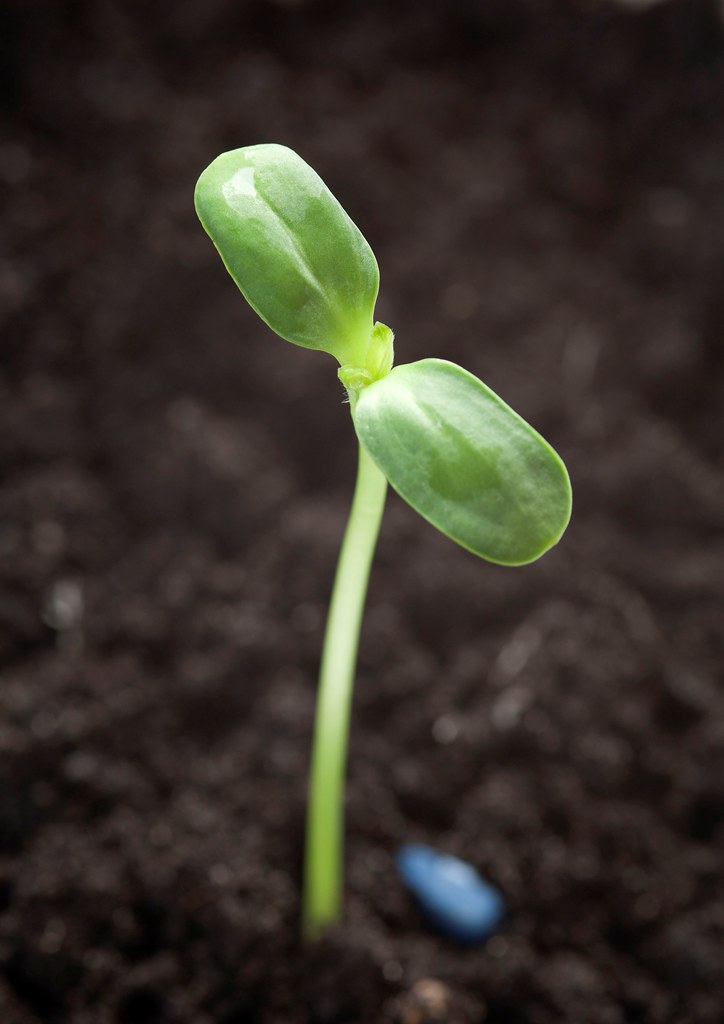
296 255
465 460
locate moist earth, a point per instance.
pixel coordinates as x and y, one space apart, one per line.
543 185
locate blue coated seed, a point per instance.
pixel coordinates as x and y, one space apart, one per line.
451 893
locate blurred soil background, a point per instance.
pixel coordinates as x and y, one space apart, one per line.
543 184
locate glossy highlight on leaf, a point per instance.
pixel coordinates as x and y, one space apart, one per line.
296 255
465 460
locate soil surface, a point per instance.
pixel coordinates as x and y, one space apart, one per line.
543 184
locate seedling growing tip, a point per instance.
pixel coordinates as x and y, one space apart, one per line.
441 438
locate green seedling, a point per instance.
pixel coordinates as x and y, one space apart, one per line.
441 438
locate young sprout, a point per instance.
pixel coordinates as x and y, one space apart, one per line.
443 440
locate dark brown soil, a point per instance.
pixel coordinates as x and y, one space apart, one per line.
543 184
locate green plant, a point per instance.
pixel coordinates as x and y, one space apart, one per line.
444 441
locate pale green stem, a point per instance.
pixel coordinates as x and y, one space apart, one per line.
323 870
